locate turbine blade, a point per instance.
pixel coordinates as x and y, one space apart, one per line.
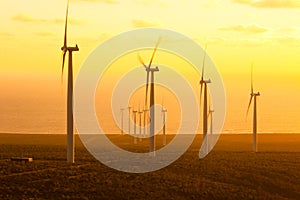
202 76
162 105
154 51
66 25
249 106
63 65
147 85
141 61
201 88
252 78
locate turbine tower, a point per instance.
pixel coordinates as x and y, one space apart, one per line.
140 120
203 84
145 121
210 114
253 96
163 111
70 133
134 118
122 120
152 109
129 118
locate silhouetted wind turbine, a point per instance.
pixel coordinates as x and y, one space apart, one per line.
70 133
253 95
134 118
152 109
204 83
129 118
122 120
145 121
210 114
140 120
163 111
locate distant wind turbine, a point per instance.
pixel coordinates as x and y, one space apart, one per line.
134 118
129 118
152 109
122 120
204 83
253 95
140 120
70 133
163 111
145 121
210 114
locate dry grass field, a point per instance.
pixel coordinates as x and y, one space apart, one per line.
230 171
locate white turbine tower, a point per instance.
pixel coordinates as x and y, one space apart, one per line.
70 133
152 109
253 96
204 83
134 118
163 111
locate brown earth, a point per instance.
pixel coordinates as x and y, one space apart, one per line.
230 171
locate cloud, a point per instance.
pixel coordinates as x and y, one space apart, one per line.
44 34
101 1
104 36
71 21
29 19
156 3
26 18
5 34
288 40
137 23
270 3
250 29
210 40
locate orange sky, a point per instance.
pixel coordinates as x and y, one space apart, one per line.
237 33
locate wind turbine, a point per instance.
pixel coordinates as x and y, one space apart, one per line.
134 118
140 120
210 114
129 118
253 96
122 120
203 84
145 121
163 111
152 109
70 133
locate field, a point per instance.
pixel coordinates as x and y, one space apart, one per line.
230 171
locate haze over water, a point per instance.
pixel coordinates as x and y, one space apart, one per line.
44 111
238 33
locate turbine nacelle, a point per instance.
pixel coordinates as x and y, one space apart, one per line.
65 49
149 69
205 81
255 94
73 48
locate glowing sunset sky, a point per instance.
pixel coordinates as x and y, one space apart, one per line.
238 32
